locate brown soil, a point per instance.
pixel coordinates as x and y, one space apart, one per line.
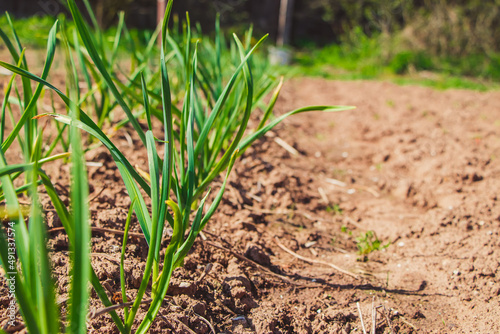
418 167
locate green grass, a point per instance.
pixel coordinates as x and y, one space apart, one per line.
375 58
32 31
358 57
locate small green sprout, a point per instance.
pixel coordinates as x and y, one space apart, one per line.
344 229
368 243
335 209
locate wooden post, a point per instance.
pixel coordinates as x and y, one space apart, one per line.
285 22
161 5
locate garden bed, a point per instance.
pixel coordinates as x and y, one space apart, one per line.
417 167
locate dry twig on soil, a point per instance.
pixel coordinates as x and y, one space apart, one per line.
103 310
403 319
361 318
182 324
207 322
98 194
388 319
102 230
305 259
254 264
374 317
286 146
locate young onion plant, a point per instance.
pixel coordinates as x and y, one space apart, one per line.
25 129
201 140
23 251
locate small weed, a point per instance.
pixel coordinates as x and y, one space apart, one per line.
368 243
376 116
390 103
335 209
344 229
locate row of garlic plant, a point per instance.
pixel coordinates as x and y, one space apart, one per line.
202 139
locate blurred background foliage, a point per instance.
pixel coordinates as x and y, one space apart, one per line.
358 38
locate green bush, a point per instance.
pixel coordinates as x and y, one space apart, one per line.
403 60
